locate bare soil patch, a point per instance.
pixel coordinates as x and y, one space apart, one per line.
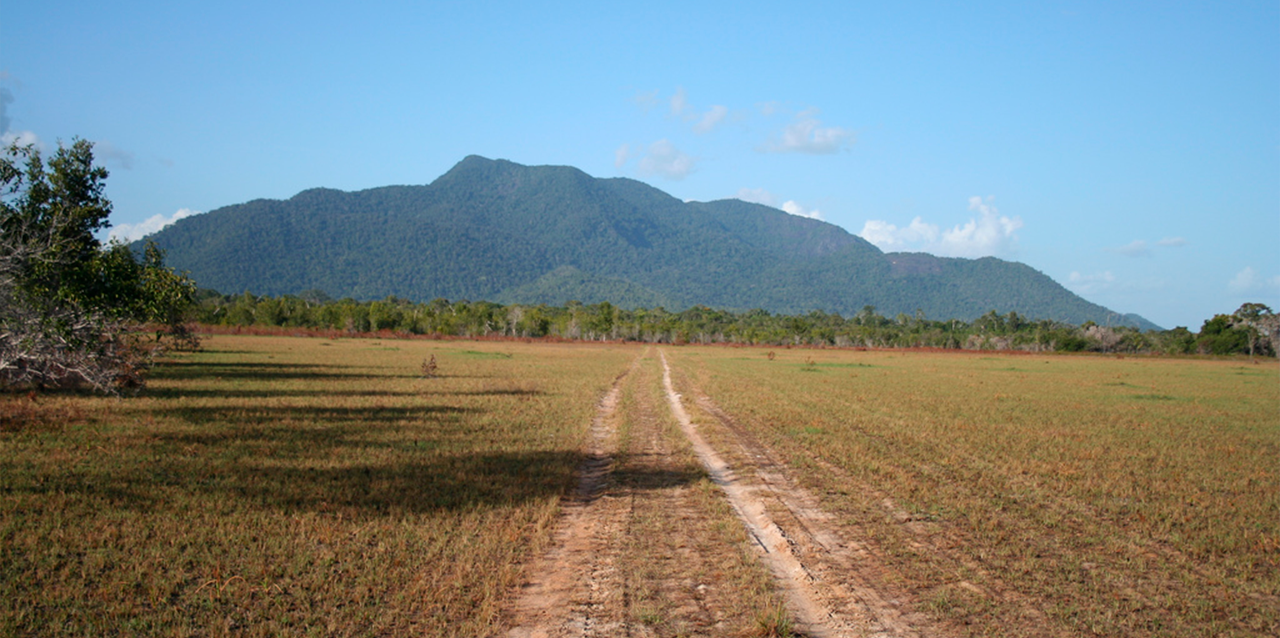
645 546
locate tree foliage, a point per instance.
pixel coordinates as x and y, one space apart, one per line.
69 305
701 324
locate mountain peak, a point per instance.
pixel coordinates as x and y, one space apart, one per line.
497 230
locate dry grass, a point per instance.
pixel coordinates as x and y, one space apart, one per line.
686 559
273 485
1037 495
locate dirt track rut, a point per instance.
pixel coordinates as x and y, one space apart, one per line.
637 484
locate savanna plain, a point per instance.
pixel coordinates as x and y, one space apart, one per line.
270 485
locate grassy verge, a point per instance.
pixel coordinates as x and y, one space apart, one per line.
1112 496
273 485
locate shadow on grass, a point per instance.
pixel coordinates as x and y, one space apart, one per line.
363 460
404 485
241 393
234 422
359 462
271 371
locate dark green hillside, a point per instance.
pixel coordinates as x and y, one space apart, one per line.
496 230
569 283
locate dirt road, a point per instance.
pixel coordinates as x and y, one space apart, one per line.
684 525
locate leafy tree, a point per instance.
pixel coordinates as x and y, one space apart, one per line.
69 306
1217 336
1260 324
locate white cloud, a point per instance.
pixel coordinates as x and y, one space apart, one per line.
663 158
132 232
769 108
680 106
711 119
1135 248
110 152
21 138
1172 242
792 208
1088 284
989 234
757 196
646 100
889 237
1250 281
622 155
807 135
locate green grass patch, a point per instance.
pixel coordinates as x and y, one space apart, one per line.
477 354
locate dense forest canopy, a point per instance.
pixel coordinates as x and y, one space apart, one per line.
499 231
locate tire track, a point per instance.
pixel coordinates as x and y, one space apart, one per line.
827 579
642 547
560 601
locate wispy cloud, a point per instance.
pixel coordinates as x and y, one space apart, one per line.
793 208
127 233
109 152
1141 248
622 155
1250 281
712 118
21 138
680 106
1091 283
769 108
987 234
806 134
663 158
646 100
1135 248
757 196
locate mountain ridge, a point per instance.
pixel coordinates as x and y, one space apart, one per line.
497 230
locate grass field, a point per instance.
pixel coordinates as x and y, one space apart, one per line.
274 485
279 485
1037 495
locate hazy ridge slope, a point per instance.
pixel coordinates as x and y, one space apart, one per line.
493 229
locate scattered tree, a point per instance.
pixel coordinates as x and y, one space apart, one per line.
1260 324
70 307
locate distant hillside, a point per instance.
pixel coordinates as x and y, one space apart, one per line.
495 230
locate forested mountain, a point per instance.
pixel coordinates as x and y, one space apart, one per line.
495 230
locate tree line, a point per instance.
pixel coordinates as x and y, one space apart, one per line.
1250 330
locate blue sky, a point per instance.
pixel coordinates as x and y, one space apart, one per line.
1131 151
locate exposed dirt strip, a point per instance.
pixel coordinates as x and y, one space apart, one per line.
568 580
827 579
646 546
